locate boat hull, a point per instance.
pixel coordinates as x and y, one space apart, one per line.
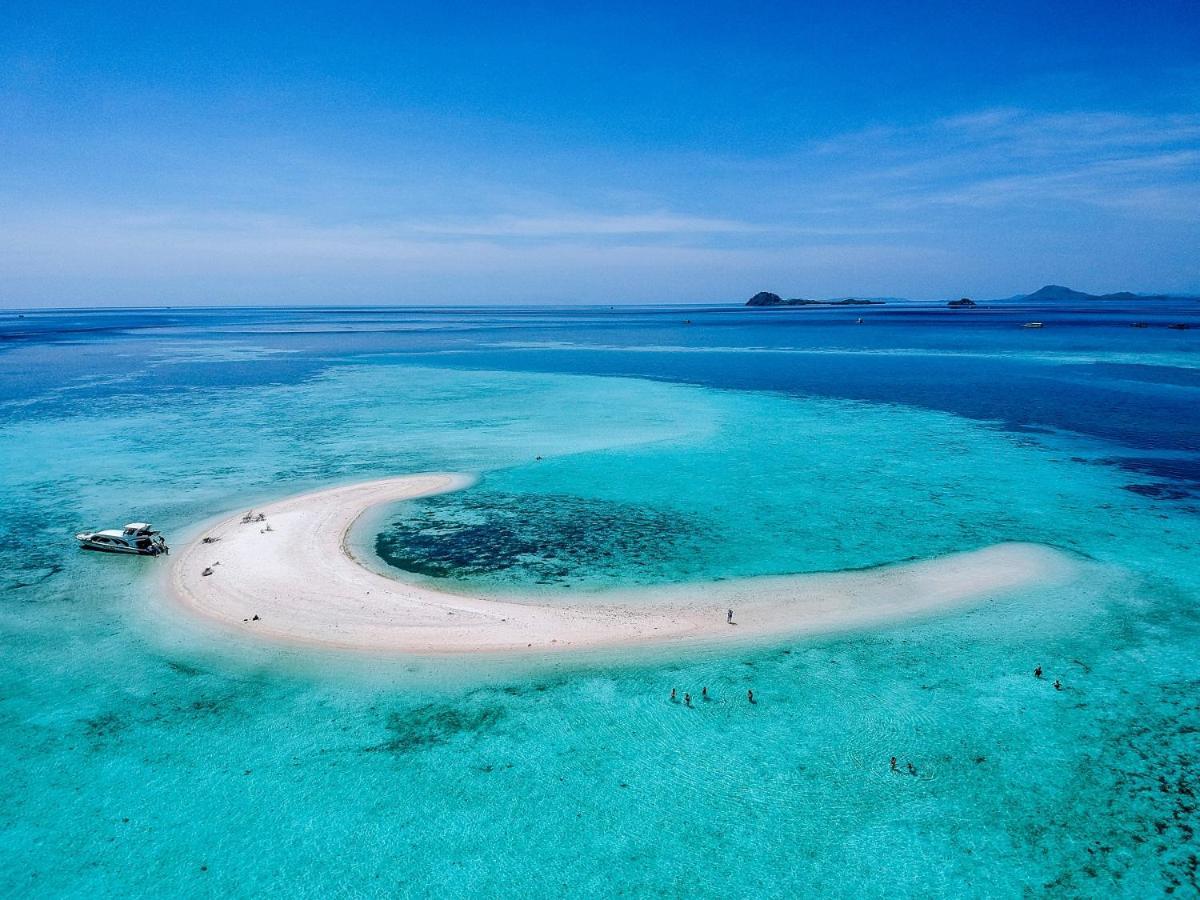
126 550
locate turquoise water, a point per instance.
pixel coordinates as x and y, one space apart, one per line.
144 757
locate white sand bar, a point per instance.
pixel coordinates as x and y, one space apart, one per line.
305 586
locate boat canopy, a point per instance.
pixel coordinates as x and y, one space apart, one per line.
136 527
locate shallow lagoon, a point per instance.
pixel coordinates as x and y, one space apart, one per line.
142 756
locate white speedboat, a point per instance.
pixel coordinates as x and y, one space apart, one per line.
1033 325
136 537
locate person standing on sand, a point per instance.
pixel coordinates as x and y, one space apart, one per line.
729 617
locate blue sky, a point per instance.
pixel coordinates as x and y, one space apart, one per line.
594 153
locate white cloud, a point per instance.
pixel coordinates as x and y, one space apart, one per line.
552 226
1015 159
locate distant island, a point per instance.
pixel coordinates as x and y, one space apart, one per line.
1051 293
1056 293
766 298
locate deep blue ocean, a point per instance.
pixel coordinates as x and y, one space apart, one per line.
615 446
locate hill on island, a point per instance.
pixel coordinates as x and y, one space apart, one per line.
1056 293
766 298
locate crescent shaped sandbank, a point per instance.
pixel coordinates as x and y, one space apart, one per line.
298 582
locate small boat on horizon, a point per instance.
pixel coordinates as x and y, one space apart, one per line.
1033 325
136 538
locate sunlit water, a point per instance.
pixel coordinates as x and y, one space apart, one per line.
143 756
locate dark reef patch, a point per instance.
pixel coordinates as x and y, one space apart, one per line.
545 539
208 706
1181 470
30 550
104 727
435 724
1150 802
29 576
1175 477
1022 428
1159 491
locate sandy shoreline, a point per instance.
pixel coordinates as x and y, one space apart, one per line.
304 586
